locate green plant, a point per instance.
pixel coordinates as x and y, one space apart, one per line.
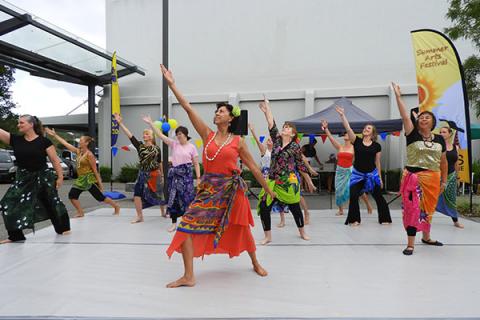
128 173
463 207
106 174
476 171
247 175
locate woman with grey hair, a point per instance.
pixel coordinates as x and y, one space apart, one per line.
33 196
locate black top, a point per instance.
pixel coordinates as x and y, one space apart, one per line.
452 157
150 156
309 151
30 155
365 156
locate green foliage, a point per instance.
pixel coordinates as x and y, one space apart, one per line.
8 120
476 171
128 173
463 207
247 175
465 16
106 174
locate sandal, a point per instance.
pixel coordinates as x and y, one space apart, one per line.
432 243
408 251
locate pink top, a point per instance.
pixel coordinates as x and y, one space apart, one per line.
182 154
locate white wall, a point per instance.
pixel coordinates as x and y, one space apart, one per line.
303 54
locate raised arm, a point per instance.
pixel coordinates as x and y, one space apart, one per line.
309 167
158 132
260 145
334 142
247 160
267 111
199 125
402 108
53 134
346 125
4 136
125 130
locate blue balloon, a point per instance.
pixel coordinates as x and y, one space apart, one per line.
165 127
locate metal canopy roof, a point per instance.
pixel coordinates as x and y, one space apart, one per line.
35 46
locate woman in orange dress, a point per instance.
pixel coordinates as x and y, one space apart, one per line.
219 218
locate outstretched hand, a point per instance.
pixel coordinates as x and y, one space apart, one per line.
396 89
147 120
167 74
324 125
340 111
50 132
118 117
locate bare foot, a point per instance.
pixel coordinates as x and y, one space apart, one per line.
172 228
6 241
281 224
458 225
354 224
64 233
117 211
370 210
182 282
265 241
385 223
79 215
339 213
137 220
304 236
260 270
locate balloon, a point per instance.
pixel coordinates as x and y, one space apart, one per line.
165 127
173 123
114 151
158 124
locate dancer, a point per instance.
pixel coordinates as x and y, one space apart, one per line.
218 219
425 174
88 176
33 196
447 202
286 162
184 158
366 172
148 189
343 171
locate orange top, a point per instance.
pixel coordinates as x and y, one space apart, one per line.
345 159
226 160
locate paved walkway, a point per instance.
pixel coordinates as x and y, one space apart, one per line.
108 269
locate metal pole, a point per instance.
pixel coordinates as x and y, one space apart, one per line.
91 115
165 89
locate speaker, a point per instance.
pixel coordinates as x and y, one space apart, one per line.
242 125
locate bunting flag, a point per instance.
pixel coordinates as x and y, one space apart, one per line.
114 151
115 100
311 138
198 143
441 87
262 138
384 135
299 136
323 136
252 140
396 133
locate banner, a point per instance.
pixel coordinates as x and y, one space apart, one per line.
441 87
115 100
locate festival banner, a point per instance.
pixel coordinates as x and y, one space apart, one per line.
441 88
115 100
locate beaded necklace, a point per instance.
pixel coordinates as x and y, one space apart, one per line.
219 149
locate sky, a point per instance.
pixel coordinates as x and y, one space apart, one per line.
43 97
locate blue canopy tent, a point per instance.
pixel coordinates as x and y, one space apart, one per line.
356 117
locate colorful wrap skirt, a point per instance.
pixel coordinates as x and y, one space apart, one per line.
447 202
32 198
287 190
181 191
342 185
149 187
371 179
85 182
420 192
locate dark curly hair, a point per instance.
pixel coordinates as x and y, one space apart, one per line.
235 122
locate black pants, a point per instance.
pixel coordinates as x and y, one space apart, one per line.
94 191
354 207
265 215
59 224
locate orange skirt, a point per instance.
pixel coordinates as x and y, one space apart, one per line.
236 238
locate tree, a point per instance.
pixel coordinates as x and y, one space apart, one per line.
465 15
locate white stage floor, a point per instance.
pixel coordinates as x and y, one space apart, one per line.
108 269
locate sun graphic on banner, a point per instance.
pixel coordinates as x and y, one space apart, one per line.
427 95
